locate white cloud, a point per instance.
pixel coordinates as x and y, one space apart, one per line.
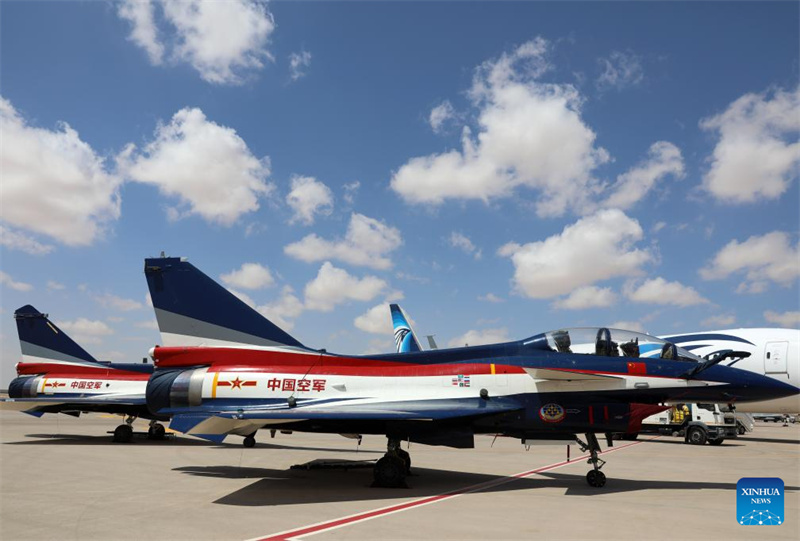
529 134
659 291
244 297
587 297
334 286
140 13
595 248
249 276
720 321
366 243
480 337
785 319
376 320
757 154
463 243
620 70
441 114
664 160
298 62
628 326
223 41
658 226
207 166
55 286
14 240
152 325
284 310
491 297
8 281
350 191
117 303
53 184
86 327
308 198
148 300
766 258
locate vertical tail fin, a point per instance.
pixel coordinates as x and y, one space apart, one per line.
42 341
403 334
192 309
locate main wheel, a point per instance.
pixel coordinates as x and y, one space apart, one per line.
390 472
596 478
406 458
716 441
696 436
123 434
249 441
156 432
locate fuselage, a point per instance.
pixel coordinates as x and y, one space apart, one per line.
774 353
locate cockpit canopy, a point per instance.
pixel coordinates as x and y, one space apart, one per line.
615 343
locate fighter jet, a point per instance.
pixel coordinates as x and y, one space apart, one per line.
56 375
225 369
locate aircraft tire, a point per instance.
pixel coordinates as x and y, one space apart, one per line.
390 472
123 434
156 432
406 458
249 441
596 478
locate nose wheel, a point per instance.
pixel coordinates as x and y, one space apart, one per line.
595 478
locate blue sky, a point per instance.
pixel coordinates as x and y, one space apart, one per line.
499 168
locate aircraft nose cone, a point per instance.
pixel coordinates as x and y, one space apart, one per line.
766 388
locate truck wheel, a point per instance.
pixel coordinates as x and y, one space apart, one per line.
716 441
741 430
696 436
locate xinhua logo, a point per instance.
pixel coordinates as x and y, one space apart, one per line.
759 501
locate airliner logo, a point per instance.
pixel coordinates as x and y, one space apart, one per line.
400 335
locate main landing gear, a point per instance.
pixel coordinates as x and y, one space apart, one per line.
595 477
391 470
156 431
124 432
250 441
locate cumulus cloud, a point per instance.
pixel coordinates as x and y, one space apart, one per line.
663 160
53 184
441 114
14 240
334 286
594 248
350 191
529 134
785 319
284 309
249 276
144 33
720 321
659 291
309 197
55 286
587 297
367 242
621 69
480 337
223 41
8 281
757 154
762 259
491 297
207 166
463 243
86 327
117 303
298 62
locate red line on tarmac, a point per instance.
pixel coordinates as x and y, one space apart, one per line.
397 508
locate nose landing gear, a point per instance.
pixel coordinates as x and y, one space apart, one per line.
595 477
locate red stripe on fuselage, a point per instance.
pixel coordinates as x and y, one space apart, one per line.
408 370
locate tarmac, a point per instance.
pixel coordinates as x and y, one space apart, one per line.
62 478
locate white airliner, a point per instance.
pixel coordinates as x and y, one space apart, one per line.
773 352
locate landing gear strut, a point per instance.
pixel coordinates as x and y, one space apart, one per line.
391 470
595 477
124 433
156 431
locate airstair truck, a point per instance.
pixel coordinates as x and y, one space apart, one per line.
697 423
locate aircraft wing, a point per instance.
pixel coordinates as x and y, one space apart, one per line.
214 422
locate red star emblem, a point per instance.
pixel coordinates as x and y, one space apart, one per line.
236 384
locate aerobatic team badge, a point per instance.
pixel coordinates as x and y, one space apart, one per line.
759 501
552 413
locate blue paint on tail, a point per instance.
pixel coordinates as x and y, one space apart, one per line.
178 288
404 337
41 337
